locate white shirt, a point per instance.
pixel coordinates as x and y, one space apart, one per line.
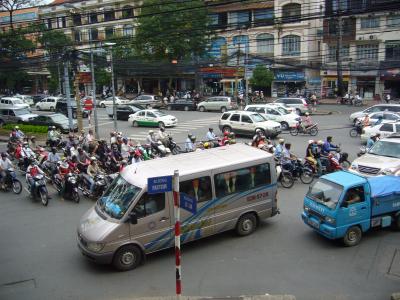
27 152
211 136
5 164
89 138
125 150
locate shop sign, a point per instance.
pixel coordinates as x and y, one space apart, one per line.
289 76
314 81
212 72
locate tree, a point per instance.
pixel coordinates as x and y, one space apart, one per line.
262 78
177 30
13 5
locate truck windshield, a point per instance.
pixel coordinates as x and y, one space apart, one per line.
325 192
117 199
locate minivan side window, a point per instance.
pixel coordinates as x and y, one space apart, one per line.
242 179
225 116
198 188
149 204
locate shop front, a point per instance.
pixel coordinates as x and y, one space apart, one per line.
329 83
220 80
391 81
287 83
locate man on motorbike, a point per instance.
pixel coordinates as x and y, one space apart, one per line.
152 140
125 148
306 122
189 143
5 164
279 148
92 170
32 143
287 158
53 136
73 164
328 146
82 159
18 133
366 121
256 138
27 154
102 151
31 172
52 160
212 138
163 136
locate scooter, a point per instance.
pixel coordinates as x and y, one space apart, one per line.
311 130
67 187
11 182
101 182
39 189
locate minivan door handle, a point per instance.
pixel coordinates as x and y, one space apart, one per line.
163 219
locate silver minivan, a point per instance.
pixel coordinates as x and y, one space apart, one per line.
219 103
13 115
235 189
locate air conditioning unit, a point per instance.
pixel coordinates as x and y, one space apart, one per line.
361 38
372 37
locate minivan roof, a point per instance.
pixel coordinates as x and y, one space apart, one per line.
194 162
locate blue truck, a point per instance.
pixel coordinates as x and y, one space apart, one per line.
344 205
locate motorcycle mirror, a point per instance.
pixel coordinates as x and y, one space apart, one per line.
132 218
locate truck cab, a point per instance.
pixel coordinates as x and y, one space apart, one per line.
344 205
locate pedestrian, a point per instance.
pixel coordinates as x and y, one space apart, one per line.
387 98
314 102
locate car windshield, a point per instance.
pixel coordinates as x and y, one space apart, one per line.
325 192
257 118
18 101
59 118
20 112
386 148
159 113
118 197
282 110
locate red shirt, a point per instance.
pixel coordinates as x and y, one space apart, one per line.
88 104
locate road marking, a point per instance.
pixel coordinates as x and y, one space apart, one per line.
101 124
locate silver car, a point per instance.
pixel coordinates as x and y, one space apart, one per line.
14 115
220 103
299 104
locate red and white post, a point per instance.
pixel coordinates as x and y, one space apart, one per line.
177 235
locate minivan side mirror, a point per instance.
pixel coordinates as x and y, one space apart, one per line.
344 204
132 218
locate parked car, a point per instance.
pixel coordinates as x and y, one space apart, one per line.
276 113
26 98
376 108
38 97
109 101
148 101
387 117
219 103
384 129
152 117
299 104
61 107
12 102
290 109
382 159
58 120
48 103
15 115
247 122
182 104
124 111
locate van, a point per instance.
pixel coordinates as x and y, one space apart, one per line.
235 189
299 104
372 109
276 113
220 103
12 102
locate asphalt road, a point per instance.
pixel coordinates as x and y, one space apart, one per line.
39 258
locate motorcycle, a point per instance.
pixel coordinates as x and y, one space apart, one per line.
300 170
39 190
101 182
173 146
357 129
311 130
11 182
59 144
357 102
67 187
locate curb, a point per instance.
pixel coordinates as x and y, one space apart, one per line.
255 297
322 113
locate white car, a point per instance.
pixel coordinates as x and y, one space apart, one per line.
48 103
276 113
387 117
12 102
151 118
109 101
372 109
384 129
26 98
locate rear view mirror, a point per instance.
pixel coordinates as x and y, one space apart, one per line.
132 218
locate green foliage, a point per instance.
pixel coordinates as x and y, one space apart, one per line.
27 128
173 30
103 78
262 77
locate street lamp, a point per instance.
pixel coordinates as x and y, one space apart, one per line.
112 85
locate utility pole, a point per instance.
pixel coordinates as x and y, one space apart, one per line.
246 99
338 53
96 125
68 95
113 89
60 91
237 71
76 88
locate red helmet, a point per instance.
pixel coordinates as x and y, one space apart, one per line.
226 133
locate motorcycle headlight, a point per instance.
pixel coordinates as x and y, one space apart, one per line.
354 166
330 220
37 183
72 180
95 247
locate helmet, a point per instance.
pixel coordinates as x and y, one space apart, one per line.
307 114
310 142
93 158
33 137
192 138
190 135
320 142
3 154
258 131
151 131
206 145
281 141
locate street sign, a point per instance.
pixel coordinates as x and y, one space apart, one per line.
158 185
188 203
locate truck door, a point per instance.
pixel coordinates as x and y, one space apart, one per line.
354 209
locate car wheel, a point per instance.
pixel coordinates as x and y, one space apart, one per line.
135 124
186 108
223 109
161 124
102 105
246 224
298 111
202 109
169 107
286 180
352 237
226 129
52 108
314 131
127 258
285 126
38 107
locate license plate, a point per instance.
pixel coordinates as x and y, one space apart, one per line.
313 223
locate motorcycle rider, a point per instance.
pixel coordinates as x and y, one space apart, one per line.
371 141
82 159
163 136
306 122
32 143
328 146
189 143
52 160
125 148
212 138
151 139
27 154
31 172
53 136
92 170
256 138
279 148
366 121
287 158
5 164
18 133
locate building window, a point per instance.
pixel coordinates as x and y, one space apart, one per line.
109 32
241 43
76 19
49 24
392 50
61 22
240 18
372 22
218 47
367 51
291 45
93 18
393 21
342 3
127 12
93 34
218 20
291 13
128 30
265 43
77 36
109 16
263 17
344 53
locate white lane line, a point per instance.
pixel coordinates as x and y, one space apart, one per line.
101 124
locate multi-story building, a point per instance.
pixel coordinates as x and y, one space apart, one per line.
370 51
284 35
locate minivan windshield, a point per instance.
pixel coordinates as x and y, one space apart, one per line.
118 197
385 148
325 192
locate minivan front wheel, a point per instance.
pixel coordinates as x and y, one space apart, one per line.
223 109
127 258
246 224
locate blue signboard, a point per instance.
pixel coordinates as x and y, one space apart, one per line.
289 76
188 203
158 185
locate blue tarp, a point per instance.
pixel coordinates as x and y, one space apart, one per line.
382 186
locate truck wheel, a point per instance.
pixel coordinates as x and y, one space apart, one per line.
127 258
246 224
352 237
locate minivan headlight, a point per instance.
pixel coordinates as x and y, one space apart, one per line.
95 247
330 220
